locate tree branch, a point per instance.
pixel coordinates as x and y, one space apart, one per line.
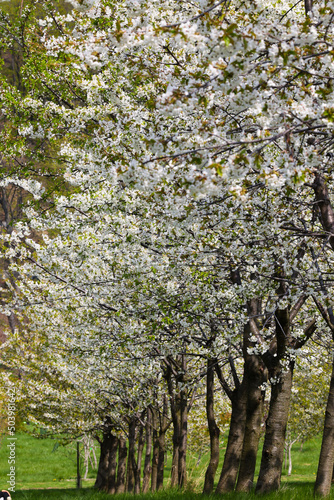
308 332
296 308
223 383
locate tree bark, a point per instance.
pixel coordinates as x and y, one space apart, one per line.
175 408
162 446
255 375
155 456
308 6
121 469
161 460
326 461
179 411
131 465
290 459
182 472
139 460
324 204
280 368
233 451
273 448
147 463
113 466
176 417
106 474
213 429
101 482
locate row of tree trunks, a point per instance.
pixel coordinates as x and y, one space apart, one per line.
240 456
247 401
106 479
116 456
242 445
246 419
159 423
247 411
130 458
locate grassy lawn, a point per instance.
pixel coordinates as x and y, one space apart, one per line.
301 491
40 463
45 471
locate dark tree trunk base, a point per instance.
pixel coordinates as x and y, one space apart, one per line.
232 458
326 461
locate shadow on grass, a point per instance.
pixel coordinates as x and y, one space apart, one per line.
90 493
289 491
60 494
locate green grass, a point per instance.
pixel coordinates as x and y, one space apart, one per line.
287 492
40 465
45 473
304 461
304 464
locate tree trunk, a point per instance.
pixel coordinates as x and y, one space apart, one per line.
325 466
326 460
273 448
308 6
139 460
176 416
233 451
255 374
131 466
121 470
182 472
147 463
161 460
213 429
162 445
179 412
113 466
101 482
285 457
155 456
290 459
106 474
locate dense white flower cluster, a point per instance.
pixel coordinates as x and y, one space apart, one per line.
190 136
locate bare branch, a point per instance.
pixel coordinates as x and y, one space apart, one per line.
296 308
